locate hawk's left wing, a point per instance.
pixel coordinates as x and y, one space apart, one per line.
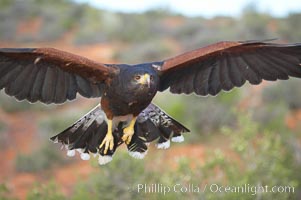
225 65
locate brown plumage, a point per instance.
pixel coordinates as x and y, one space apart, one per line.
225 65
53 76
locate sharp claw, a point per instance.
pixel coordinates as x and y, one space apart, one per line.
102 144
111 146
106 148
127 137
108 141
128 132
128 140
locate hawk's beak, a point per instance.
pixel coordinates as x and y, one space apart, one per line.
145 79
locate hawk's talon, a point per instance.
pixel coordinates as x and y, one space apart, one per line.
128 132
108 143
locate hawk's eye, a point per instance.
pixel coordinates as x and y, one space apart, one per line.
137 77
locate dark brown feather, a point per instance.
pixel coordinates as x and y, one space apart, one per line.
49 75
225 65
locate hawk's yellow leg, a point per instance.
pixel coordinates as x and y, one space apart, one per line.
128 132
108 141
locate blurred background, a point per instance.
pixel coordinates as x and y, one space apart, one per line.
250 135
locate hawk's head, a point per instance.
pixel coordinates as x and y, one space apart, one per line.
141 79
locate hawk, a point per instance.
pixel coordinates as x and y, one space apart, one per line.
125 113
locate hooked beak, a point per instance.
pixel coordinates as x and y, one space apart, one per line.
145 79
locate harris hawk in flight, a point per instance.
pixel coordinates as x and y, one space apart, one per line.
125 113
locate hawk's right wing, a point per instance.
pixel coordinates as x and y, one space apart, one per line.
49 75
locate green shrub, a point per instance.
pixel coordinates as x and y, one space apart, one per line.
286 25
287 92
5 193
3 135
107 185
271 115
204 116
10 104
147 51
44 158
57 122
265 158
48 191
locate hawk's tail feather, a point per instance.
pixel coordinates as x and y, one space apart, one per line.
86 134
154 124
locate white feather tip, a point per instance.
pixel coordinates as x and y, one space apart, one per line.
164 145
137 155
71 153
178 139
84 156
102 160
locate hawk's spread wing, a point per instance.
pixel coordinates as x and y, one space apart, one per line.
225 65
49 75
